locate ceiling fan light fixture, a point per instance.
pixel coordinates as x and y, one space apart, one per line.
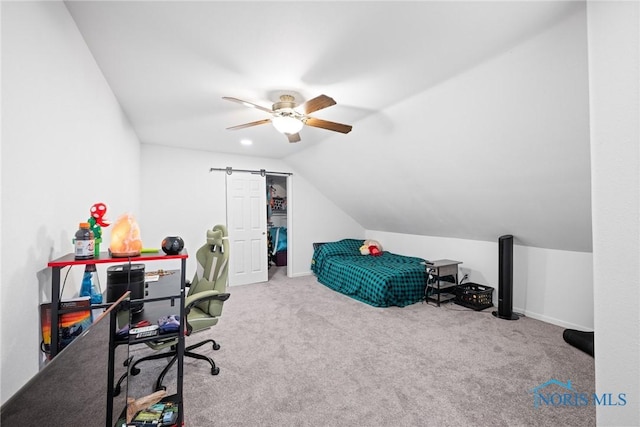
287 124
289 118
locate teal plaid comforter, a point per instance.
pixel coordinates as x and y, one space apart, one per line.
380 281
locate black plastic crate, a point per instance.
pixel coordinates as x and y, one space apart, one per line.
474 296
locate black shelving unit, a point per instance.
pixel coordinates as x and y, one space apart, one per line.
177 297
438 290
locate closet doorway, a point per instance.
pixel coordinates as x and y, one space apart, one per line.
277 224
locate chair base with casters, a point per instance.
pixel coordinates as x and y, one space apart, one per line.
173 355
173 352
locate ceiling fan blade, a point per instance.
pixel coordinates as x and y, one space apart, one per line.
293 137
247 125
248 104
318 103
324 124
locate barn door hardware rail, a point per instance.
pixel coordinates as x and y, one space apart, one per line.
229 170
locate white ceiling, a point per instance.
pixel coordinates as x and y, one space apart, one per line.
485 86
170 63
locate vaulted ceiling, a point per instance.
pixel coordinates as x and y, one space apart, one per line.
470 119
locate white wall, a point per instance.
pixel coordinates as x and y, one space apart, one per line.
614 68
502 147
65 145
550 285
182 197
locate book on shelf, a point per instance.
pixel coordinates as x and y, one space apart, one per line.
162 414
70 325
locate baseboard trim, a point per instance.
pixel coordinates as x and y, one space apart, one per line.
303 274
553 320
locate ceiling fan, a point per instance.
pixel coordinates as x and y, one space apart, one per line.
289 118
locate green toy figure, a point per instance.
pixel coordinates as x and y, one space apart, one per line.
96 222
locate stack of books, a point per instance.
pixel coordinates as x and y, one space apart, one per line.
162 414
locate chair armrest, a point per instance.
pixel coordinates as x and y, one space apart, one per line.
201 297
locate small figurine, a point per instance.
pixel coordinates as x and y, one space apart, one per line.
96 222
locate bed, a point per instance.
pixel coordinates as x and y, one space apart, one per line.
381 281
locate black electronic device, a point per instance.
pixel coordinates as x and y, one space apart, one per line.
124 277
505 279
580 339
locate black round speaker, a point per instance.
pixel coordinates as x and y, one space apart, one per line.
172 245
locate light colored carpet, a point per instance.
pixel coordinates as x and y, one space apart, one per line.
295 353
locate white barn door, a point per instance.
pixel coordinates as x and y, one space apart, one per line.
247 228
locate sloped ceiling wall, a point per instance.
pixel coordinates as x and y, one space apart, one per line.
500 148
470 118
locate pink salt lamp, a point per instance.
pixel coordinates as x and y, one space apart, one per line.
125 237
